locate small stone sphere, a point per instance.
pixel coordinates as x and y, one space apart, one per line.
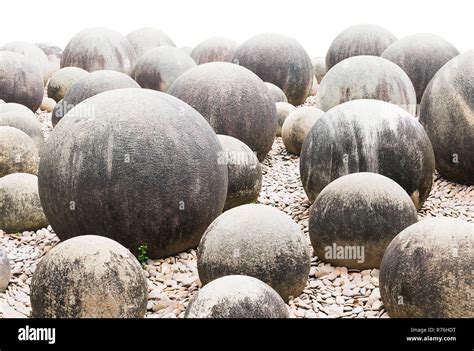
53 53
355 217
215 49
146 39
297 126
18 153
20 206
319 68
48 105
4 271
32 54
276 93
62 80
283 110
426 271
237 296
158 68
314 87
360 39
259 241
244 172
89 277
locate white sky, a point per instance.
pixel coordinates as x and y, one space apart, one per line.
314 23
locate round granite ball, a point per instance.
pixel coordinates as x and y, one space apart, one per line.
62 80
319 68
146 39
32 53
18 153
215 49
4 270
427 269
283 110
276 93
53 53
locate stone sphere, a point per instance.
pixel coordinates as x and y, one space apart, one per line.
32 54
158 68
314 87
53 53
237 296
20 206
259 241
244 172
5 271
233 100
349 80
145 39
368 136
319 68
355 217
142 169
21 117
16 71
447 113
48 105
427 269
360 39
280 60
297 126
96 49
62 80
215 49
283 110
276 93
187 49
89 277
18 153
420 56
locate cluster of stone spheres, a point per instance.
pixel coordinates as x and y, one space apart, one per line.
158 148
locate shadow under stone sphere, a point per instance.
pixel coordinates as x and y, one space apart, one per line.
146 39
215 49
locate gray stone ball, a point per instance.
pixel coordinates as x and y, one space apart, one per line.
146 39
215 49
5 273
319 68
276 93
283 110
314 87
62 80
18 152
187 49
53 53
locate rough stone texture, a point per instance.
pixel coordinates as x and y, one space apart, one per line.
276 93
4 270
361 39
280 60
319 68
89 277
145 39
18 153
360 214
297 126
237 296
20 204
141 169
96 49
283 110
53 53
62 80
233 100
368 136
420 56
158 68
258 241
447 113
215 49
349 80
427 269
32 53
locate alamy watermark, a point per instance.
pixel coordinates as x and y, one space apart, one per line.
345 252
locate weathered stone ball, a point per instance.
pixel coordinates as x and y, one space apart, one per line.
146 39
360 39
427 269
276 93
319 68
89 277
259 241
20 206
447 113
53 53
4 271
62 80
20 117
355 217
96 49
158 68
368 136
283 110
59 111
244 172
420 56
314 87
215 49
237 296
233 100
280 60
297 126
141 169
349 80
48 105
18 152
16 71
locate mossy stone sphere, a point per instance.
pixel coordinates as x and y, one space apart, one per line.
62 80
146 39
215 49
18 152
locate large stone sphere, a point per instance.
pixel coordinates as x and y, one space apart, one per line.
89 277
368 136
158 68
96 49
142 169
426 271
215 49
16 71
319 68
259 241
20 206
276 93
244 172
53 53
237 296
361 39
62 80
280 60
420 56
32 53
233 100
18 152
145 39
297 126
349 80
355 217
5 271
447 113
283 111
